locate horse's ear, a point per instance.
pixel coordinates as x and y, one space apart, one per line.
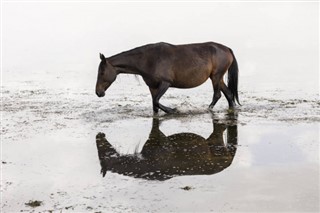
102 57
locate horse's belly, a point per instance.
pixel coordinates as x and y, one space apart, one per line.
186 86
190 79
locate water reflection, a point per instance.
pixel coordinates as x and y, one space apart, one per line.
163 157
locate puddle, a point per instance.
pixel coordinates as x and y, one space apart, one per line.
163 163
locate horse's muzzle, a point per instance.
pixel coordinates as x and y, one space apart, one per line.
100 94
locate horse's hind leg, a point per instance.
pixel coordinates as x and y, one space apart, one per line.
227 94
153 94
156 94
216 91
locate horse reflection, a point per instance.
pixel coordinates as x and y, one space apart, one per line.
163 157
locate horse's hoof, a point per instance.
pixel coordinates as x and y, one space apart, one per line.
175 110
171 111
231 110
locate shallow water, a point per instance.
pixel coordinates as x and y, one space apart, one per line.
263 156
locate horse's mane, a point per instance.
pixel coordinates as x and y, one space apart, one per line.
140 49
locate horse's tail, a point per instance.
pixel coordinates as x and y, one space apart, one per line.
233 78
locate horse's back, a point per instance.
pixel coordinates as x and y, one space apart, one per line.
189 65
185 65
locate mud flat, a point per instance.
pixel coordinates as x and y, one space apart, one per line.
262 156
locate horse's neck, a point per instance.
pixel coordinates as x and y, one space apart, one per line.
127 62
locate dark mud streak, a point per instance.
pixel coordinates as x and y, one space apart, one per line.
34 203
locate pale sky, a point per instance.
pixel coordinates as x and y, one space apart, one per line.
269 39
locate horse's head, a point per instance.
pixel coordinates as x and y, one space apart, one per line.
106 76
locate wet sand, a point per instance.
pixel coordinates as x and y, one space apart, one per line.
51 150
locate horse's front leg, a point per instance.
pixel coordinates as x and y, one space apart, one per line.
156 94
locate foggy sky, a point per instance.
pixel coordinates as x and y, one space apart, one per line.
273 40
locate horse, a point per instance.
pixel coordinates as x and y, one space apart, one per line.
164 157
163 65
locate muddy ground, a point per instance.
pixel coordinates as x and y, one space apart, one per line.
52 156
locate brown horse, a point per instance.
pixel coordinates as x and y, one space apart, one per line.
164 65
